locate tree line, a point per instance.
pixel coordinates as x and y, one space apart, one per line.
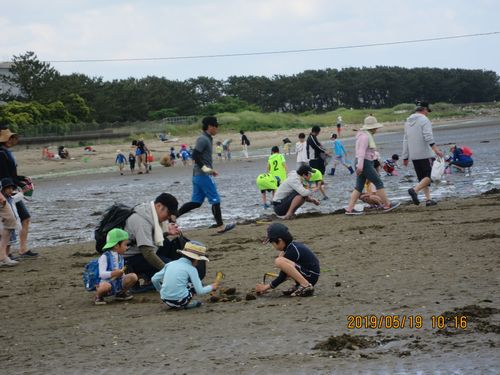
48 97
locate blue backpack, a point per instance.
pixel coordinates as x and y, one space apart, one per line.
91 272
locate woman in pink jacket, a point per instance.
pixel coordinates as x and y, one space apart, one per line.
365 156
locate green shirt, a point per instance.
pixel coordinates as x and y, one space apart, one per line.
277 166
316 176
266 181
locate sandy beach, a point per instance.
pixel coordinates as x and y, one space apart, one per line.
413 263
391 285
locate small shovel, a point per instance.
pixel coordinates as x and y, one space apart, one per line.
219 276
270 274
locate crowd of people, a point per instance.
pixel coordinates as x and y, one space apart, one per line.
150 251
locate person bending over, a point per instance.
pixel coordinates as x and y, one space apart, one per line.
295 260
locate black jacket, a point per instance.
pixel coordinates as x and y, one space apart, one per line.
7 166
314 148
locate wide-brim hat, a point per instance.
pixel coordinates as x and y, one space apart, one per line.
114 237
5 135
194 250
371 122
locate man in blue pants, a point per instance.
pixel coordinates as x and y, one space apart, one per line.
203 175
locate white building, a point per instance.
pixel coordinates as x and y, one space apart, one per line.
4 87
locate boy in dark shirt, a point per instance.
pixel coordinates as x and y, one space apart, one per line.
131 161
295 260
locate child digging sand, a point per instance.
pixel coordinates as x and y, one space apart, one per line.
295 260
111 269
175 279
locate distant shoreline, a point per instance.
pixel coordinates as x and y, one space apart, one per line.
30 162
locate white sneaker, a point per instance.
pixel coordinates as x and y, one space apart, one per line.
7 262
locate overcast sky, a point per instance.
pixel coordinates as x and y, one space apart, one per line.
111 29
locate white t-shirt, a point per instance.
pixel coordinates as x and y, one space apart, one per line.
300 149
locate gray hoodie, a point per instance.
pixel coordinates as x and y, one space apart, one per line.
418 138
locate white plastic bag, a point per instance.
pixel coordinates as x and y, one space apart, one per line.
438 169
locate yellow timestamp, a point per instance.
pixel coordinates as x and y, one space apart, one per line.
372 321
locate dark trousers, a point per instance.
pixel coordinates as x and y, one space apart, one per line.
318 164
167 252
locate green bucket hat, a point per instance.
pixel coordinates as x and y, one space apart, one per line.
115 236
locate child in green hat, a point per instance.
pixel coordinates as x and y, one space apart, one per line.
114 282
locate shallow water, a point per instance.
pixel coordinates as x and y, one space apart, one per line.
67 209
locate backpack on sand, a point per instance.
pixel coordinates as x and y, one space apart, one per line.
90 273
114 217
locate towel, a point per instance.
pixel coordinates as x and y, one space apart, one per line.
371 141
158 227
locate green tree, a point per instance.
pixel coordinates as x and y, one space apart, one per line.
32 76
77 107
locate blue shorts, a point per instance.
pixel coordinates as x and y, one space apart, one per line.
204 187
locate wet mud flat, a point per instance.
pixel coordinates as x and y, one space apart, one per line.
431 265
73 204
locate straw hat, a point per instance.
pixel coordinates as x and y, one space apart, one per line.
194 250
5 135
371 123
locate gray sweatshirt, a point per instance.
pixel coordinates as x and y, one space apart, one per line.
418 138
140 227
292 183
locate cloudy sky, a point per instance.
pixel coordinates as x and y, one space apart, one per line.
113 29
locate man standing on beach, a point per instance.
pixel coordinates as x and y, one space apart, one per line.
419 146
203 175
316 153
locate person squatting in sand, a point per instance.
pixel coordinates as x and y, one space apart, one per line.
295 260
179 280
114 282
292 194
